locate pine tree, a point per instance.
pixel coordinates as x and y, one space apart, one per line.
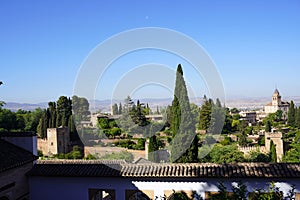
291 115
185 142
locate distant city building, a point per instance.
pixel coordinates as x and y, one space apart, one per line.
249 116
277 104
155 118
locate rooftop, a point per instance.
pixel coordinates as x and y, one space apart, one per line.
17 134
196 170
12 156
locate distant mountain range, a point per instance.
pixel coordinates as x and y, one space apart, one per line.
105 105
13 106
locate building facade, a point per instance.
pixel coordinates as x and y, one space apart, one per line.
92 180
277 104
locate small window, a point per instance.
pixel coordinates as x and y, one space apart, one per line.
102 194
51 143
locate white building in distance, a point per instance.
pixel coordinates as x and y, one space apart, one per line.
277 104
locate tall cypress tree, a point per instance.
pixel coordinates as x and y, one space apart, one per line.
205 114
297 117
153 147
291 114
273 154
42 126
185 142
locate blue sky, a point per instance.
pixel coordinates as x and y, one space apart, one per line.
254 44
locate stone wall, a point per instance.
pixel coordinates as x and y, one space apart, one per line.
14 183
247 150
42 145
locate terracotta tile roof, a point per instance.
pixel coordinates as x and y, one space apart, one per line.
196 170
81 168
17 134
12 156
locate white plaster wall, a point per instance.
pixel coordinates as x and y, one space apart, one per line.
77 188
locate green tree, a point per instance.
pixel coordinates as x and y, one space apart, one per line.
20 122
115 131
139 115
103 123
185 142
268 127
227 141
195 110
71 125
168 116
153 147
242 139
297 117
80 108
227 129
205 114
223 194
179 196
273 154
32 119
226 154
278 115
217 118
75 153
115 109
273 193
43 125
8 120
293 154
291 115
64 110
256 156
52 114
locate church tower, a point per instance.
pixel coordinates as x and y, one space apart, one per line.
276 98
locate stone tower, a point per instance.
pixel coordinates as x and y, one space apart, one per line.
58 140
277 140
276 98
